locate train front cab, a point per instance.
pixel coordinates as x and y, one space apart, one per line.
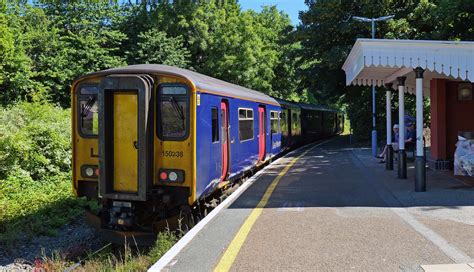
143 126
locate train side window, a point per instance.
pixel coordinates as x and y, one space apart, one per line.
245 124
274 122
215 125
283 121
88 111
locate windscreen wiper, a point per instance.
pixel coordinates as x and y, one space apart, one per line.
86 109
177 107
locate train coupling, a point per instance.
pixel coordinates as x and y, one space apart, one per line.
121 214
120 237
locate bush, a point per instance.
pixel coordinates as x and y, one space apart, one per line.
34 139
35 164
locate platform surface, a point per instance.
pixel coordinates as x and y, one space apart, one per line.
337 209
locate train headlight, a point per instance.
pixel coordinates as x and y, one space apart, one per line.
171 176
89 171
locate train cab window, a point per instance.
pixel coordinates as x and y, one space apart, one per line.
274 122
215 125
245 124
173 112
88 111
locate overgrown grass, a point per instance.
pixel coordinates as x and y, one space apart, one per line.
29 208
35 159
126 259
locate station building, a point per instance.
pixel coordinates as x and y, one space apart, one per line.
443 71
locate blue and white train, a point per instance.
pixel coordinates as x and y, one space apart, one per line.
151 141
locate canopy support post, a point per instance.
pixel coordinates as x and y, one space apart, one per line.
402 155
389 151
420 162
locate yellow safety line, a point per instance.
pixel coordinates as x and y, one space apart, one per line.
231 253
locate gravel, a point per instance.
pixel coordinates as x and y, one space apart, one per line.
71 242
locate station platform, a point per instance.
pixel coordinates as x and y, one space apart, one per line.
330 207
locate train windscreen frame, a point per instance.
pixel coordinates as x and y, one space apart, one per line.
173 112
88 114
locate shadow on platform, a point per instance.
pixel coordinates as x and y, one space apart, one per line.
337 175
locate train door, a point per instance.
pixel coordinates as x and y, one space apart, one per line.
125 137
261 133
225 139
125 130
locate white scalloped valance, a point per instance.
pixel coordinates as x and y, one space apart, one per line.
380 61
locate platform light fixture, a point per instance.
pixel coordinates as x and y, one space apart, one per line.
464 91
374 129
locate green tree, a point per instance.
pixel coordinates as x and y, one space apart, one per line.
15 76
6 42
53 44
89 41
327 34
246 48
154 46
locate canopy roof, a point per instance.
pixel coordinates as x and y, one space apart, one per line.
380 61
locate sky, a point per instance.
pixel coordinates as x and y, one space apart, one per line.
290 7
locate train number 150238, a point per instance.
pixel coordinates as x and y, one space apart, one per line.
172 154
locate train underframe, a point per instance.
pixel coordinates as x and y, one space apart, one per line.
138 222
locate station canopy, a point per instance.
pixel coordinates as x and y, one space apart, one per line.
380 61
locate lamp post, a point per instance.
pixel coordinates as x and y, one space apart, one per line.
374 129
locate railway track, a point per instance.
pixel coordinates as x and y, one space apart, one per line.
83 260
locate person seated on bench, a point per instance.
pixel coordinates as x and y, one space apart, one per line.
411 136
410 141
395 134
410 145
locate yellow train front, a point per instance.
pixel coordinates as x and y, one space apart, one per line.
120 157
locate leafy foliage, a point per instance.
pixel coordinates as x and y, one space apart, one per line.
54 43
34 170
153 46
35 139
47 44
245 48
328 32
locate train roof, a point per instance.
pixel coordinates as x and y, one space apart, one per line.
316 107
202 82
287 103
305 106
